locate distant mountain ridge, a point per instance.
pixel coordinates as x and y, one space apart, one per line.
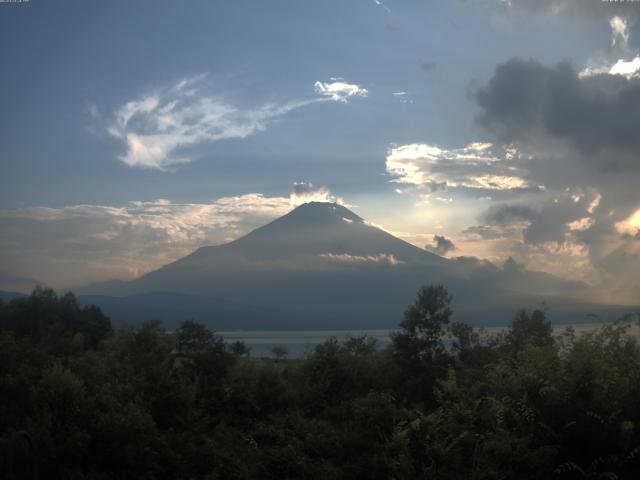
323 265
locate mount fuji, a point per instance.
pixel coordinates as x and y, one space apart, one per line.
321 266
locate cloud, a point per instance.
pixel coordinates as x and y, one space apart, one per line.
584 223
619 32
402 97
556 220
591 11
159 127
597 115
380 258
578 131
382 5
570 234
628 69
506 215
304 192
441 245
620 269
476 166
619 44
490 232
339 91
76 245
630 225
79 244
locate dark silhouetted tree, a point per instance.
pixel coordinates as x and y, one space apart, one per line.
418 347
529 328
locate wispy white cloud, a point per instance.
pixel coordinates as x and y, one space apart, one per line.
159 126
619 32
380 258
339 91
402 97
380 4
475 166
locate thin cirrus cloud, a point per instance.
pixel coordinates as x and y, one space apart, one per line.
382 5
476 166
159 126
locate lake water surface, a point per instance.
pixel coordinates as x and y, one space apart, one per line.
299 342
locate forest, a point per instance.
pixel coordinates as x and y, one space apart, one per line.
82 400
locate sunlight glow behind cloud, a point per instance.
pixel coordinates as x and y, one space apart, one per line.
630 226
304 192
475 166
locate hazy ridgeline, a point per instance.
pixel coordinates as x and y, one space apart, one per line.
79 400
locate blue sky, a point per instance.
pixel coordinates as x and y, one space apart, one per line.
71 67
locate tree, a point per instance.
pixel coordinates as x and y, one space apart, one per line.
280 351
193 337
239 348
418 347
422 328
530 328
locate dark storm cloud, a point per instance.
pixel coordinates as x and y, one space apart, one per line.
509 214
598 116
441 245
551 222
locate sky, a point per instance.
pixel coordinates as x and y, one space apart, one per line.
133 133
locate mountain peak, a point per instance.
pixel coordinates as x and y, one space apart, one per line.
315 211
314 229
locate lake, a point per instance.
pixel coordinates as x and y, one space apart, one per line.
299 342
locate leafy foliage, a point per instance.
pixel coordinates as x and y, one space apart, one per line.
443 401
